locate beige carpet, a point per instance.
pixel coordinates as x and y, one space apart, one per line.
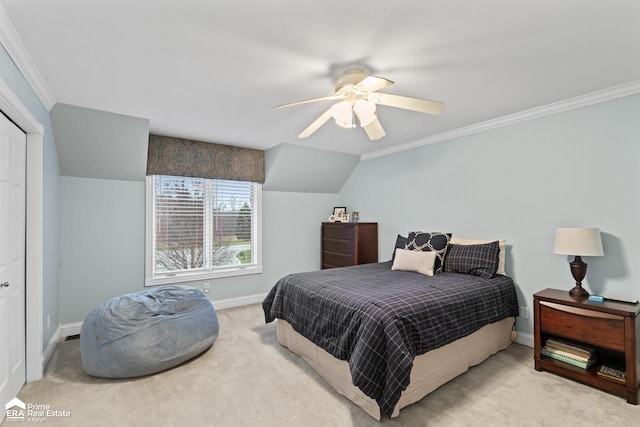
248 379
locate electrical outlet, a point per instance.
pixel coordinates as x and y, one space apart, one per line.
206 288
48 321
524 312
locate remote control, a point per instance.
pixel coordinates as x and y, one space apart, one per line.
621 299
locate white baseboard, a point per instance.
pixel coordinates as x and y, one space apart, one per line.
524 339
237 302
70 329
51 347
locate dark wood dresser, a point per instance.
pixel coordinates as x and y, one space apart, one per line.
612 327
349 243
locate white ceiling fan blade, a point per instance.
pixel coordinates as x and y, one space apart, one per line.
373 84
374 130
415 104
316 124
307 101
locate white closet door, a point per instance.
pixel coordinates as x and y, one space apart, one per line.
13 149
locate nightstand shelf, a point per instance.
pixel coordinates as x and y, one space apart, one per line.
587 376
612 327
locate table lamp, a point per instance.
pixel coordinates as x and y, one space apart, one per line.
579 242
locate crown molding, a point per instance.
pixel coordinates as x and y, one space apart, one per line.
615 92
20 55
11 105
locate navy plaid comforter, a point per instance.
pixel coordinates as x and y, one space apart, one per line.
379 320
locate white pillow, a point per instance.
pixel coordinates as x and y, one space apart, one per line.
417 261
501 257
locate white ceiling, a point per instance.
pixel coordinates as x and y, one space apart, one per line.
212 70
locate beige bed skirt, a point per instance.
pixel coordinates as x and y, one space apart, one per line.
430 370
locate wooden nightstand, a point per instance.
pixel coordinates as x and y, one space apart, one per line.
612 327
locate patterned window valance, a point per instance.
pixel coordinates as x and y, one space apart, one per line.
183 157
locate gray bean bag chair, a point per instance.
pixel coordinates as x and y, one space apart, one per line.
147 332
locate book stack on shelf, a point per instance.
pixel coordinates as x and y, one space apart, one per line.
577 354
611 373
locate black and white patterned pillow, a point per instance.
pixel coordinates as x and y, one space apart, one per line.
479 260
401 242
435 241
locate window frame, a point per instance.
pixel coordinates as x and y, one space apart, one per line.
207 274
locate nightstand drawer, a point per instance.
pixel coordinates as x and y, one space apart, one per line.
601 329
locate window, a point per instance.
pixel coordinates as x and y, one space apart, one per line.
201 228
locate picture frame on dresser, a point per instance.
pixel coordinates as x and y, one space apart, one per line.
338 211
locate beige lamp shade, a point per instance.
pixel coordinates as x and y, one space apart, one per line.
578 241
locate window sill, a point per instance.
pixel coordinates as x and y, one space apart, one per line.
191 277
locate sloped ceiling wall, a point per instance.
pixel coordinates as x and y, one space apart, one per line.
296 168
98 144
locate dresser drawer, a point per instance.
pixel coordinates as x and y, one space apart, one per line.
338 260
339 246
339 231
601 329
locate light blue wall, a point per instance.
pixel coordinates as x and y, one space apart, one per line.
102 242
51 174
574 169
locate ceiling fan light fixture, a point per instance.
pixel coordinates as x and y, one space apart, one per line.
366 111
358 95
368 83
342 113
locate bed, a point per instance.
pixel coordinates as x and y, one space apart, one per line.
385 337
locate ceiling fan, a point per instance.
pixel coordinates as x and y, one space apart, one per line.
357 93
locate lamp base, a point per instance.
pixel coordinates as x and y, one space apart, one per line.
578 270
578 292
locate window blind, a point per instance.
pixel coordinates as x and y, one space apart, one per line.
201 225
179 223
